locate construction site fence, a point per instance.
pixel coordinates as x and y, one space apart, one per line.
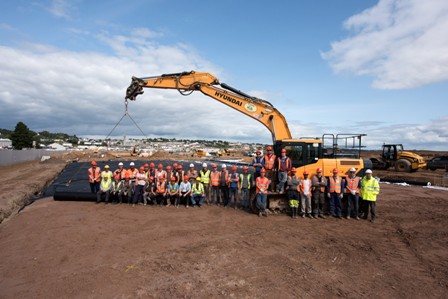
11 157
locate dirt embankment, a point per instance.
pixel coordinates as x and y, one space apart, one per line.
79 249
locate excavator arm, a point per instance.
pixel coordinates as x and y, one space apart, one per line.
187 82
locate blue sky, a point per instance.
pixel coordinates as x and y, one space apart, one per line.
375 67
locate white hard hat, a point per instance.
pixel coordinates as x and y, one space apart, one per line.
352 169
223 166
368 171
204 164
191 165
120 164
132 164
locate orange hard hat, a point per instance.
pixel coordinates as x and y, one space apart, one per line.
269 148
319 170
185 177
146 165
305 172
160 166
258 152
142 168
335 170
245 168
174 165
263 170
214 166
173 178
234 167
283 150
93 163
151 164
168 167
179 167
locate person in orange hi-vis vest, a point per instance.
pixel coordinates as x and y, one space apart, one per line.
284 166
269 166
94 173
262 184
215 177
335 194
352 187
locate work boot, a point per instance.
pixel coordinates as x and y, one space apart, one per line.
260 213
348 217
357 218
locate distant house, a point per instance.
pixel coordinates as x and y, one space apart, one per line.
57 146
5 143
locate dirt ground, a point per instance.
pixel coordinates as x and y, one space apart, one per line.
61 249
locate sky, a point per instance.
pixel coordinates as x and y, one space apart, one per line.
342 66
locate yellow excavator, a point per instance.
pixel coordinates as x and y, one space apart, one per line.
305 153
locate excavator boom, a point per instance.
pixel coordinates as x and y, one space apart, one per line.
187 82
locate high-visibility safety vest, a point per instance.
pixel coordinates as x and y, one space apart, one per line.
269 162
106 180
140 179
215 176
306 187
160 187
197 188
243 179
369 189
205 176
284 166
262 183
120 174
94 174
132 173
335 184
352 183
173 187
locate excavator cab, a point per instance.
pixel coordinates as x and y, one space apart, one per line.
301 152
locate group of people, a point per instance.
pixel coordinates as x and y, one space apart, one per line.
318 194
174 186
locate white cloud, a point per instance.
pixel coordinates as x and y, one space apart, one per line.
83 93
401 43
61 8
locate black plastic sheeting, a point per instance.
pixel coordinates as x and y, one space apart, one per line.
73 183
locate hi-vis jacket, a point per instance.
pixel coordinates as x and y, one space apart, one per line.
106 180
369 189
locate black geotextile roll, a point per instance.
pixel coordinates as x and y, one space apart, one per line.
73 182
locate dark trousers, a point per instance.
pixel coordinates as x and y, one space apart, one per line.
214 195
318 203
335 202
138 194
95 187
99 193
352 199
224 195
233 193
372 206
172 199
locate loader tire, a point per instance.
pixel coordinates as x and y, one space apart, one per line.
403 165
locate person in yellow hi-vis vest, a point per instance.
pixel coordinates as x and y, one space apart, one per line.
106 184
197 193
370 188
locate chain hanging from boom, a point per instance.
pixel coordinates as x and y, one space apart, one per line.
126 113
